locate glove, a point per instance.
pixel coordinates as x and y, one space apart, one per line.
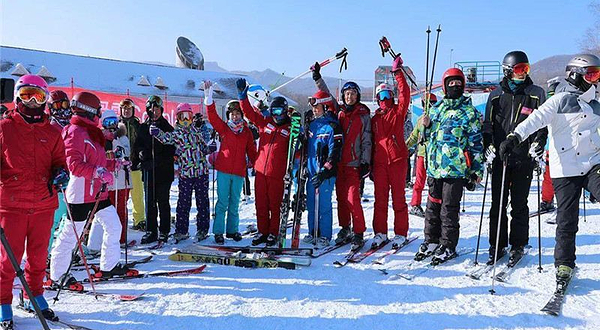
316 71
397 65
323 174
120 152
154 130
508 145
471 182
364 169
536 151
490 155
60 179
104 175
208 92
242 88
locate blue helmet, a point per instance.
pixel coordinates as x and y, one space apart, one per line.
351 85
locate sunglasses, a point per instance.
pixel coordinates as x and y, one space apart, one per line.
592 74
521 68
110 122
28 93
58 105
384 95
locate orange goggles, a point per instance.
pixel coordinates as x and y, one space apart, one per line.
28 93
592 74
64 104
521 68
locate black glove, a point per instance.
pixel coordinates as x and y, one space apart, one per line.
242 88
316 71
508 145
471 182
323 174
364 170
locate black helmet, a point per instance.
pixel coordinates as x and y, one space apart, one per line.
279 106
511 59
351 85
577 68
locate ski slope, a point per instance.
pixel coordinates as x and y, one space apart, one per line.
357 296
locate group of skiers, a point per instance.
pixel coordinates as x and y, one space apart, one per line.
89 161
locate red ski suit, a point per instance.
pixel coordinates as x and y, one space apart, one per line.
390 161
547 188
270 168
29 153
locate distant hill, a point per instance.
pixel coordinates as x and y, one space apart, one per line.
548 68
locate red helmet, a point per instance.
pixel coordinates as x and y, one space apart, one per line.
452 73
86 102
321 97
57 95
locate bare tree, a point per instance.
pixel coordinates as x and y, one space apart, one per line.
590 43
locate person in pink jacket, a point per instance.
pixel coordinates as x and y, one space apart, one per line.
90 172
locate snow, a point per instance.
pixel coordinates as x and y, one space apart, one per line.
357 296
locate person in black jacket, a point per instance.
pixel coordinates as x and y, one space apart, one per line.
158 171
507 106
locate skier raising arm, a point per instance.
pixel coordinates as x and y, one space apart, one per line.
573 117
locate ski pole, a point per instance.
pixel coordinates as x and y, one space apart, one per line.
463 200
584 210
426 110
498 223
437 39
19 272
539 200
316 223
487 176
385 46
340 55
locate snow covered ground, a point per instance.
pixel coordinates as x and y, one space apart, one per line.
357 296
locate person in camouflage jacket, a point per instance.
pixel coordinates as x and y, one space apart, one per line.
454 158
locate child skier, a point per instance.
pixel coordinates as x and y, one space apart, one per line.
191 143
237 143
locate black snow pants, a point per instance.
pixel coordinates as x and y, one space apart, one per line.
441 215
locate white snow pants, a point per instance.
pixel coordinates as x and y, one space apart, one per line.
105 221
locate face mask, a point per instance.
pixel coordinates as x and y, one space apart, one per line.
236 127
454 92
518 81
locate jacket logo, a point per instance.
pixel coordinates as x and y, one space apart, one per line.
285 133
526 111
43 140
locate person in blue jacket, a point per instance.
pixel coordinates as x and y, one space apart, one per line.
324 145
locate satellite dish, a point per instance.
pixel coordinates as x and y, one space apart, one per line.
188 55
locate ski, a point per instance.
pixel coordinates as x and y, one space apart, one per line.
554 305
350 255
238 261
250 229
111 296
298 260
357 258
320 252
169 273
507 270
542 212
58 323
299 203
480 270
381 260
424 267
284 210
551 219
250 249
130 264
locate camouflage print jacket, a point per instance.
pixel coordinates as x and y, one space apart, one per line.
455 146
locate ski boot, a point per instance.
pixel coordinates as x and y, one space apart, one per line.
358 242
546 206
119 270
516 253
140 226
201 235
180 237
443 254
259 239
219 239
271 240
47 312
149 237
235 236
322 242
162 238
309 239
498 255
7 325
398 241
425 250
379 239
563 273
70 283
344 235
417 210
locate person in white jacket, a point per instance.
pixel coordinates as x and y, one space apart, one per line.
572 116
117 147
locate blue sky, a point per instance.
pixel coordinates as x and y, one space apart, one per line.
287 36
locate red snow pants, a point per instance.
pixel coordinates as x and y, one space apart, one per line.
547 188
121 207
347 190
386 177
22 225
421 177
269 194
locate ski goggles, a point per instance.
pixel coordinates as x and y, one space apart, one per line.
186 115
313 101
592 74
384 95
277 111
58 105
521 68
28 93
110 122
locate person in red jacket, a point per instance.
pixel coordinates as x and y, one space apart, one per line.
390 158
90 170
32 162
355 164
270 164
237 143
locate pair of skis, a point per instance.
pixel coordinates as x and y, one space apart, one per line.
269 250
504 272
416 268
237 259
